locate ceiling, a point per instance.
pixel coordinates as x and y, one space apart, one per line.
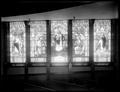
22 7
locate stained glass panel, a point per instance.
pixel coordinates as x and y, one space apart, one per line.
102 40
80 37
17 42
38 41
59 37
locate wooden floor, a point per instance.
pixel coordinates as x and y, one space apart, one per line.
58 82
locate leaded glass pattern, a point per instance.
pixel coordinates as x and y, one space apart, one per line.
59 38
80 39
102 40
38 41
17 42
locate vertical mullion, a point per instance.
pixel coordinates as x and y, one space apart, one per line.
117 49
6 47
27 41
2 50
114 49
91 46
48 22
8 42
113 39
69 44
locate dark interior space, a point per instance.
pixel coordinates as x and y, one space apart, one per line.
47 76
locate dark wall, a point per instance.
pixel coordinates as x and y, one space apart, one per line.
96 10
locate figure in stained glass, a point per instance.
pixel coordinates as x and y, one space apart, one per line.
80 29
17 41
38 41
102 37
59 40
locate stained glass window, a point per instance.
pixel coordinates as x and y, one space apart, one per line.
59 37
80 37
38 41
102 40
17 42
